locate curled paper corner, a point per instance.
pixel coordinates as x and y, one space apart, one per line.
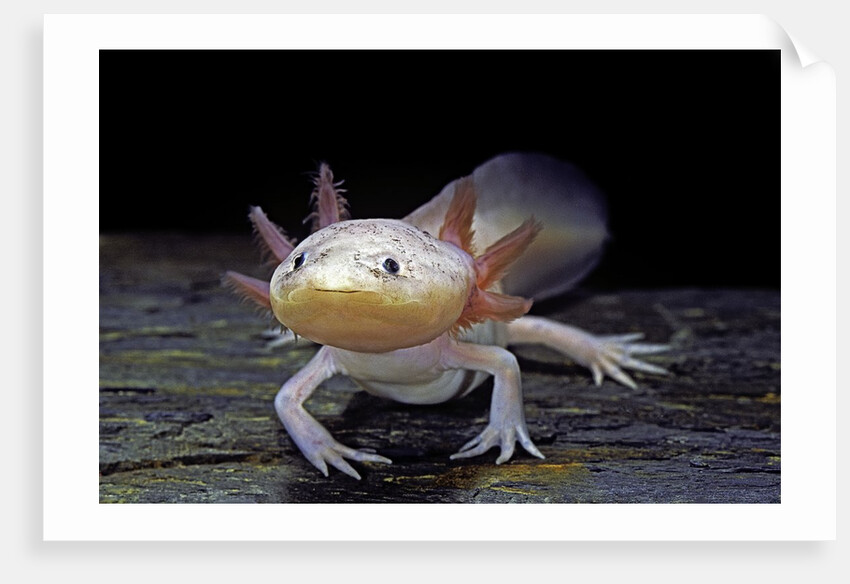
792 45
804 55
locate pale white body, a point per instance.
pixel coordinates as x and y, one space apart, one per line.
511 187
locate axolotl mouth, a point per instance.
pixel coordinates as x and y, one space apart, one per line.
321 294
357 320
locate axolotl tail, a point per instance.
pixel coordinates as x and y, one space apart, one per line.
511 187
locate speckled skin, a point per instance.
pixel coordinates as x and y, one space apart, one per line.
339 281
383 298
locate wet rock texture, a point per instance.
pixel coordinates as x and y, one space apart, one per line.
187 382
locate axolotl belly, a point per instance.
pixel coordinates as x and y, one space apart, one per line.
421 310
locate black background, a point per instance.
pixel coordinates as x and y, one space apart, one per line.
685 144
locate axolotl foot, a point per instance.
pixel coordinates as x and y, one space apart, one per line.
504 437
611 354
335 455
321 449
603 355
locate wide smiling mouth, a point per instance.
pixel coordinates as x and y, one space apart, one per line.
303 295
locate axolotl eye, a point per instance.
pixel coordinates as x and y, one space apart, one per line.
391 266
297 261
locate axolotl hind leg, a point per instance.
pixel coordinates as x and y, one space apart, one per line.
603 355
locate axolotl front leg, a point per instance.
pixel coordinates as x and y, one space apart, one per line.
314 441
507 418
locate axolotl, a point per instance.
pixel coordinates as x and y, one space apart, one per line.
421 309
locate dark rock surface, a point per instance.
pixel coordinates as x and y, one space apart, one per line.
187 383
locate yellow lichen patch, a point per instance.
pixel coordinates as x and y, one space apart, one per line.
173 479
269 361
111 493
724 397
155 357
113 335
675 406
775 365
605 452
125 384
573 410
404 479
770 398
124 420
521 478
148 331
221 391
231 417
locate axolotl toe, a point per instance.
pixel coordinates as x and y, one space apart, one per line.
408 315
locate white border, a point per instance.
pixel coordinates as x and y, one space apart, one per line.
71 509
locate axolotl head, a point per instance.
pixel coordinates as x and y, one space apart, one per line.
372 286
